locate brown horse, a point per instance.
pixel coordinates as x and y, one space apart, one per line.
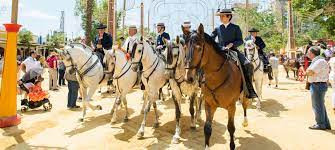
291 65
223 79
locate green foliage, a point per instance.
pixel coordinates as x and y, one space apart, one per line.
318 15
26 37
56 40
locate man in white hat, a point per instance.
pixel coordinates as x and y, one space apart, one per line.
131 39
186 26
162 37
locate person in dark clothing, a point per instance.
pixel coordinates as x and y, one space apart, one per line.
186 26
73 87
162 37
230 38
260 46
102 41
61 73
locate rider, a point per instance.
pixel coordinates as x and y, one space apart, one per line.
230 37
161 38
131 39
102 41
260 45
186 27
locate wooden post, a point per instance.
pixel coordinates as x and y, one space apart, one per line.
123 17
142 19
213 19
291 39
111 16
15 7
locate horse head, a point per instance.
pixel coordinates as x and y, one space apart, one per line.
194 52
137 53
110 61
251 50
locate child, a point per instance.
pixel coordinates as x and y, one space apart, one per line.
36 93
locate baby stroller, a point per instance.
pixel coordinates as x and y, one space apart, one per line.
35 96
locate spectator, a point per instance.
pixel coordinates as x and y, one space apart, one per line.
318 77
332 78
73 87
274 62
61 72
52 63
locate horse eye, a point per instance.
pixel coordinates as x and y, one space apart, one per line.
139 51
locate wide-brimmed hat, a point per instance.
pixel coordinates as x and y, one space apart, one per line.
160 24
132 27
253 30
186 24
101 26
224 12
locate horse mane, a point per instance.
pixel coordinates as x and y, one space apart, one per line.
216 46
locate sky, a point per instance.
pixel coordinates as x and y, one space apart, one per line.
43 16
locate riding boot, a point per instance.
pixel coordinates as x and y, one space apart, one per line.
248 73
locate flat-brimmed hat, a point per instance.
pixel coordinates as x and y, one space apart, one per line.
186 24
101 26
132 27
224 12
160 24
253 30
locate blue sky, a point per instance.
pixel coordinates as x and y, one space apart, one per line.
42 16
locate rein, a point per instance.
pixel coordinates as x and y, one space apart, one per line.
255 60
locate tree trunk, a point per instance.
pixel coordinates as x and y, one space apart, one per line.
89 14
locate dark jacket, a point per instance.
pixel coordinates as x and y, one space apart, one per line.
106 41
231 34
160 39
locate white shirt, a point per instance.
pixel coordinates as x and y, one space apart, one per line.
32 64
332 69
274 61
226 25
131 40
321 69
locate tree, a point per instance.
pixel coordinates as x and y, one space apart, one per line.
26 37
56 40
89 15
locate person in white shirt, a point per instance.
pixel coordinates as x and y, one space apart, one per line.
131 39
274 62
332 78
318 76
31 67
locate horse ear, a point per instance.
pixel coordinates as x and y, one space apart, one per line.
201 29
141 39
178 40
59 51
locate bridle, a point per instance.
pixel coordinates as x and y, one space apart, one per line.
190 56
174 66
253 60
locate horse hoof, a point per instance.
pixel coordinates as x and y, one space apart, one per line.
207 148
140 135
193 128
99 107
125 119
245 124
175 140
156 125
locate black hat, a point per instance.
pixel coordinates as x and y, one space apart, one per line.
253 30
160 24
101 26
224 12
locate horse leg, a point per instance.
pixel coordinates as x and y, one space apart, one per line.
210 110
145 98
124 101
199 103
83 91
156 124
231 126
176 93
176 137
245 105
89 96
191 109
140 132
115 108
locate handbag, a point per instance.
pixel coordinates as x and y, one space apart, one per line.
307 86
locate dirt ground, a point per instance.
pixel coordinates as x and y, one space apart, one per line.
282 124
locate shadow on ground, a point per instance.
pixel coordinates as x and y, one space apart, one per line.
272 107
256 142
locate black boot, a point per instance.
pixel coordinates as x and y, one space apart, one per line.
248 73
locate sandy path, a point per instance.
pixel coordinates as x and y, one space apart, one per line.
282 124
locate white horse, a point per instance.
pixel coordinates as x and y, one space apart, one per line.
252 55
154 78
124 79
175 67
89 71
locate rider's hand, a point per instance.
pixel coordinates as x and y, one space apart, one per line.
230 45
159 47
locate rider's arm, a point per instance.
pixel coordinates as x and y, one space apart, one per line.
214 34
238 38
